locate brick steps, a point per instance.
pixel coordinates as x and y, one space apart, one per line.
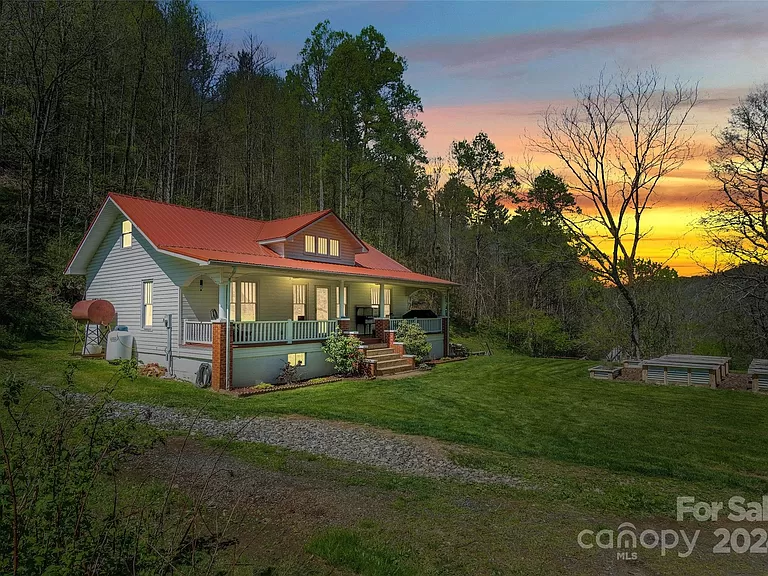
387 360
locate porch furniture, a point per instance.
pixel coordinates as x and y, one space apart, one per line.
365 319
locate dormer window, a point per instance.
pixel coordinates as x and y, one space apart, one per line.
334 247
322 245
127 234
309 244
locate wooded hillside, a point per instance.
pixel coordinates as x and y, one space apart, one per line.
144 98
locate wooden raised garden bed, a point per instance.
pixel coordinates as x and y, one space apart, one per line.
686 369
605 372
758 373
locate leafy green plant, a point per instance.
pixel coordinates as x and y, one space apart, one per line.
343 351
61 504
414 340
263 386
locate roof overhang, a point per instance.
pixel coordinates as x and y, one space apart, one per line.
97 231
320 218
362 276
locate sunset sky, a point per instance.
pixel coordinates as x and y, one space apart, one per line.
495 67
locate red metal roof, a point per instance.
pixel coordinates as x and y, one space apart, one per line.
215 237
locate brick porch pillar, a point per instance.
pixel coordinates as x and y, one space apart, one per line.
380 327
345 324
389 337
218 360
446 339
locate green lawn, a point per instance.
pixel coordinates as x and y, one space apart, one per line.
592 455
512 405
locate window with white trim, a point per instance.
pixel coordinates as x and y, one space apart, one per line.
126 236
342 313
299 301
334 245
297 359
243 301
322 245
387 299
247 301
146 304
309 244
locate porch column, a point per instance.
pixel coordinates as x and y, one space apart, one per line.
223 296
444 304
381 300
342 301
445 324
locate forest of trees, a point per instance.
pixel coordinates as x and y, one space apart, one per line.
145 98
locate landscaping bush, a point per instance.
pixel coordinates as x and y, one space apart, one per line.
414 340
289 374
344 353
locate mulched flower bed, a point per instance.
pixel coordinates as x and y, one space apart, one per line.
254 390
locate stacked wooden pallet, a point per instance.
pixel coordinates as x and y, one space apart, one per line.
758 372
687 369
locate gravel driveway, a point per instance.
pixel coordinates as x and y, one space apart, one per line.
411 455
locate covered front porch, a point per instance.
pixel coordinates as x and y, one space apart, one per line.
264 308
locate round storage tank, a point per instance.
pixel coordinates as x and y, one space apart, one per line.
119 345
94 312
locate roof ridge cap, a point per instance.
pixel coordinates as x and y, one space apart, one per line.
203 210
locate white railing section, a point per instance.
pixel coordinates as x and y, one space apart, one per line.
264 332
313 329
288 331
197 332
429 325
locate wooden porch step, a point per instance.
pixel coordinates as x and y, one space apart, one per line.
377 346
376 352
395 362
402 366
384 357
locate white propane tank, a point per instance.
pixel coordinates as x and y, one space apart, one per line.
119 345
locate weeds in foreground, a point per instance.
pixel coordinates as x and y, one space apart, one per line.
63 508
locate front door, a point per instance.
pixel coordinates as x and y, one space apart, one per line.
321 303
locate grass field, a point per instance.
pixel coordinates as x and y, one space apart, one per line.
598 453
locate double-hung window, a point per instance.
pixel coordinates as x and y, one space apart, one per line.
299 301
342 313
146 304
247 301
242 301
126 236
387 299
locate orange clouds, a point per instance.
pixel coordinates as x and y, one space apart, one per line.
683 196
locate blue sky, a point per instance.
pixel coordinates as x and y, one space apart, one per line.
496 66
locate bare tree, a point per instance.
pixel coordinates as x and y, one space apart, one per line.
737 220
623 135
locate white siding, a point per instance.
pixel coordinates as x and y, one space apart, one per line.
197 304
116 274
